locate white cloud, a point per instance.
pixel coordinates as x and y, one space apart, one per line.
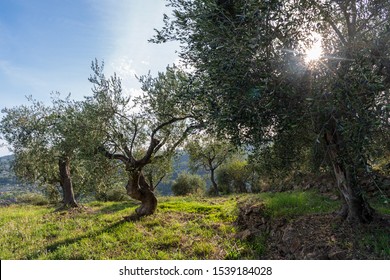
123 67
183 66
126 27
4 150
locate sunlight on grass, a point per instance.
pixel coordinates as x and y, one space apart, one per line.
181 228
291 204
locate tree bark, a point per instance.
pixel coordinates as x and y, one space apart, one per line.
355 207
66 183
213 182
139 189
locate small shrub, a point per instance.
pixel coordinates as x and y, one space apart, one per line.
188 184
33 199
112 195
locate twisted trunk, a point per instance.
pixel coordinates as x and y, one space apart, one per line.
139 189
355 207
66 183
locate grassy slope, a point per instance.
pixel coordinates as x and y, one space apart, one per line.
182 228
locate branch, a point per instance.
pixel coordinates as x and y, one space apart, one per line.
155 143
133 139
331 22
158 182
171 121
109 155
184 136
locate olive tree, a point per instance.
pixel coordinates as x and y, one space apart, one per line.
208 153
44 142
139 131
260 90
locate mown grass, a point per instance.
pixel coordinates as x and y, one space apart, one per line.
181 228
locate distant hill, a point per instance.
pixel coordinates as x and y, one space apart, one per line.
7 176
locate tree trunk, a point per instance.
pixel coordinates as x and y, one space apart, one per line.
66 183
139 189
355 207
213 182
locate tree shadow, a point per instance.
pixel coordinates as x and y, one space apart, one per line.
118 207
70 241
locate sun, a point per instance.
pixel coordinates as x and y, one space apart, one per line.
314 52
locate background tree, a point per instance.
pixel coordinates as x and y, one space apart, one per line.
141 131
44 141
260 90
208 153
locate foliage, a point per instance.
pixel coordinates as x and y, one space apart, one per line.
188 184
260 90
160 170
44 135
41 137
209 154
112 194
142 131
125 125
32 199
234 176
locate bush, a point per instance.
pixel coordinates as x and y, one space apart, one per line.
33 199
188 184
112 195
233 176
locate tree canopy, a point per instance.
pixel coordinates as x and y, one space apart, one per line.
261 91
144 130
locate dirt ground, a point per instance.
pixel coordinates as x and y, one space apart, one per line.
318 236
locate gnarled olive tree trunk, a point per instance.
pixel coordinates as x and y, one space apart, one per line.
139 189
66 183
355 207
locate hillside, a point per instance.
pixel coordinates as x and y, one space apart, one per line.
296 225
10 187
7 177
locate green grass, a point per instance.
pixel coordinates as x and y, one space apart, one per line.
181 228
377 241
292 204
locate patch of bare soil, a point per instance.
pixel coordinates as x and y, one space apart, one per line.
318 236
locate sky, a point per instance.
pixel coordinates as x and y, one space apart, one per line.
48 46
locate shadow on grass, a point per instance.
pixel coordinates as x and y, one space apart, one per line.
53 247
105 210
118 207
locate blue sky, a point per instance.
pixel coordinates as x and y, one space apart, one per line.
48 45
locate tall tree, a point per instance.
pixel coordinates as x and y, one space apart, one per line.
260 90
142 130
